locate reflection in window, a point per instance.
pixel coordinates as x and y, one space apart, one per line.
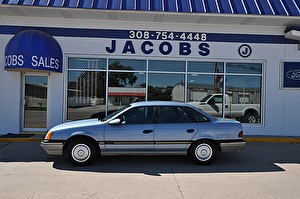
91 80
124 88
86 94
166 87
244 68
172 66
87 63
245 98
199 86
205 67
127 64
35 107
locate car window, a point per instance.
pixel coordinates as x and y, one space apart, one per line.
195 116
205 98
172 114
139 115
114 113
218 99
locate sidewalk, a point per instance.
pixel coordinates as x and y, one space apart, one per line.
37 137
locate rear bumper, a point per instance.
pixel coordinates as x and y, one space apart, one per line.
52 148
232 145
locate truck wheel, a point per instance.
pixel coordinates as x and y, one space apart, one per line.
203 152
81 152
250 118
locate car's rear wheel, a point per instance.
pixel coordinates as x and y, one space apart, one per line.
203 152
81 152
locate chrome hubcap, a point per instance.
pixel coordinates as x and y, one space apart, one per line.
203 152
81 152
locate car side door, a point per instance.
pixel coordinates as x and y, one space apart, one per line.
133 134
174 130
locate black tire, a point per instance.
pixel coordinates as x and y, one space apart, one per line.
250 118
81 152
203 152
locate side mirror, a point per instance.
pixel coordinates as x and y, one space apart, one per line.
116 121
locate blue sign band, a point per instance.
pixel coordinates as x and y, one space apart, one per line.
152 35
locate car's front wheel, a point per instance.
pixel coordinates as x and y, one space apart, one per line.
81 152
203 152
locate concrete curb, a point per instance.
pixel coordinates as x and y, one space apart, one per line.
273 139
37 137
20 139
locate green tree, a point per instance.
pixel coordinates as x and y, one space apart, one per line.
121 79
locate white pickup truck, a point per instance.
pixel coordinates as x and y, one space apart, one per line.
212 104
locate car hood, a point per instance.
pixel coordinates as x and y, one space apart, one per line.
76 124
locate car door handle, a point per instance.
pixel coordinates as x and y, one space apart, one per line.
190 130
147 131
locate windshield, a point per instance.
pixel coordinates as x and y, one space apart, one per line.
114 113
205 98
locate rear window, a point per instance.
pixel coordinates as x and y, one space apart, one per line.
195 116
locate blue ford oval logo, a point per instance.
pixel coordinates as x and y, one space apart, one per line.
293 74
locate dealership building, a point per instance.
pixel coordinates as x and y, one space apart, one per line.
65 60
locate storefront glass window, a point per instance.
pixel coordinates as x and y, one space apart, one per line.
171 66
205 67
203 84
244 98
124 88
166 87
87 63
126 64
201 87
86 94
243 91
244 68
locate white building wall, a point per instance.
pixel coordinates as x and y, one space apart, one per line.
280 107
10 92
10 88
290 98
56 99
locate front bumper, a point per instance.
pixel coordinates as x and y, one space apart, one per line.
52 148
232 145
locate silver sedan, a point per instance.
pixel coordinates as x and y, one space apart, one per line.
146 128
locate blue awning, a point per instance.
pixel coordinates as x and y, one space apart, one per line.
258 7
33 50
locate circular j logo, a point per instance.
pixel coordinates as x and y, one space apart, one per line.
245 50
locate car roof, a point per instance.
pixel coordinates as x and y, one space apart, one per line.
159 103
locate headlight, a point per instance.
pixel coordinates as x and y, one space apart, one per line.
48 136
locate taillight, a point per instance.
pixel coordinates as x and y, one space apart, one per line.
241 134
